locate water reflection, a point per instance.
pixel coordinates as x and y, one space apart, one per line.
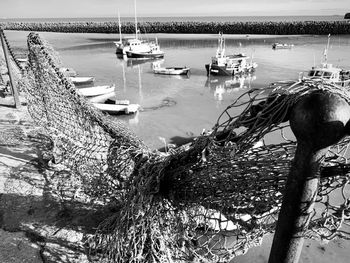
131 62
161 76
178 108
222 84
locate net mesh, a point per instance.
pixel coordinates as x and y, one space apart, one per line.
207 201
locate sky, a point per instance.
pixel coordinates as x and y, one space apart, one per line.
109 8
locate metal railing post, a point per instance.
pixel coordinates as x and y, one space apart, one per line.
12 82
318 121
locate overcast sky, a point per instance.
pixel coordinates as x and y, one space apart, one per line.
109 8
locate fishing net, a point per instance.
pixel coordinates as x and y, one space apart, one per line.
15 65
207 201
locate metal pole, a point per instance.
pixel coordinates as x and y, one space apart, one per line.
12 83
318 121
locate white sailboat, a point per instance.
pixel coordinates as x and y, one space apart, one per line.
136 47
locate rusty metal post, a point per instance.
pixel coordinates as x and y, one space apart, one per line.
318 121
12 83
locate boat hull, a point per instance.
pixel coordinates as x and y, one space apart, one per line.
96 91
119 51
144 55
282 46
172 71
223 71
117 109
82 80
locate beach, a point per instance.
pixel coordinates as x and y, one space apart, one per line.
35 226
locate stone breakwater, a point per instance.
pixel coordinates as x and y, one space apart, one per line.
269 27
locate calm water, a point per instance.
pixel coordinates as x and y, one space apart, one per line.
176 107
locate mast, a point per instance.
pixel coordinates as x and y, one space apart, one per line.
120 28
326 50
221 46
135 20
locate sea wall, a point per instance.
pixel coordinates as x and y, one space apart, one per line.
270 28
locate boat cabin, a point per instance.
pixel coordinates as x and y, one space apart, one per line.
136 45
230 60
330 74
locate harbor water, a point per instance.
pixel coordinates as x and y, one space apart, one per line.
173 107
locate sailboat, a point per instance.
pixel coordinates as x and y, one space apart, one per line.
136 47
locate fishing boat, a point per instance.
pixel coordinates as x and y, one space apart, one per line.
229 65
324 72
157 69
96 91
329 73
282 46
81 80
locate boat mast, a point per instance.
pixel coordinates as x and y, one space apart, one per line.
135 20
120 28
221 45
326 50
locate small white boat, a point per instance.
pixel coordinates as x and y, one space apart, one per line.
82 80
117 108
95 91
282 46
68 72
22 60
170 70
